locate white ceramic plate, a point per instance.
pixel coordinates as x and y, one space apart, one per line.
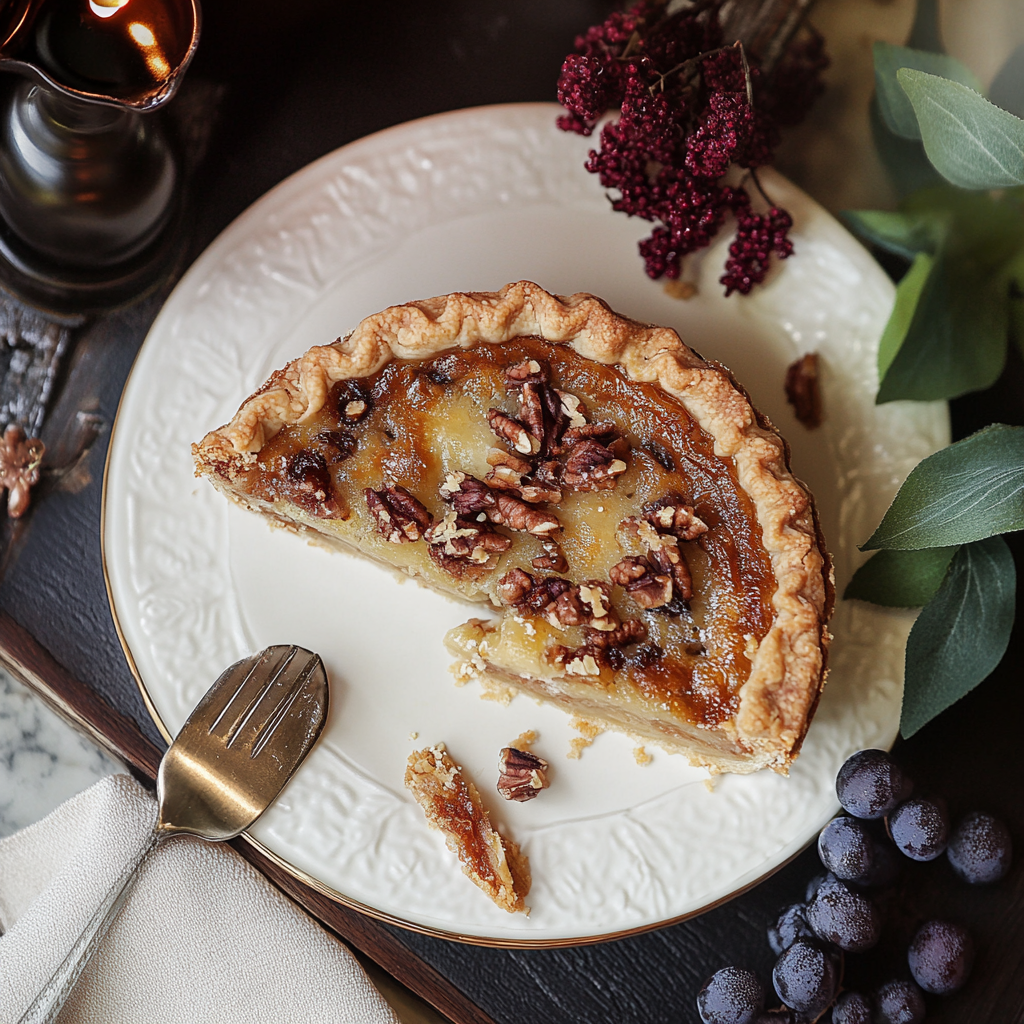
470 201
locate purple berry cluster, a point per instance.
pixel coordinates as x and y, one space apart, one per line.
839 916
690 107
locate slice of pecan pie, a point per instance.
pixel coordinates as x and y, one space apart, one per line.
659 568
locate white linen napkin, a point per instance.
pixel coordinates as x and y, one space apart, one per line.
203 938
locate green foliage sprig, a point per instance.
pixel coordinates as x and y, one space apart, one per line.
957 161
962 293
940 546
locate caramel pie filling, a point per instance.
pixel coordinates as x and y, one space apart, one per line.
589 505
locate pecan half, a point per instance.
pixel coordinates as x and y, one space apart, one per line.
517 515
803 390
591 467
605 431
531 413
673 515
466 494
531 371
559 601
513 432
400 517
574 409
514 586
670 561
521 774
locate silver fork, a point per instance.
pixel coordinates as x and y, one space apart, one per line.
232 758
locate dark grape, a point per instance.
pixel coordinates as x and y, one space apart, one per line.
816 883
847 849
886 867
806 976
899 1002
870 784
844 917
940 957
852 1008
919 828
980 849
731 996
790 926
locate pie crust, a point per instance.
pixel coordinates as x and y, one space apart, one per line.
768 685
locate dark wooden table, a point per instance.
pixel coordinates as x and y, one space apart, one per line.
273 87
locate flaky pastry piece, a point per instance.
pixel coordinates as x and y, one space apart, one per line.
452 805
660 569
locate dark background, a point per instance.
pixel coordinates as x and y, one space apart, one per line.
275 86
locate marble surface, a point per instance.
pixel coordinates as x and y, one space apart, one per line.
43 760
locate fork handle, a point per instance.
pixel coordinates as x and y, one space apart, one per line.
47 1005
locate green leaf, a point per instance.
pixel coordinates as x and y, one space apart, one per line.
900 579
972 143
956 341
903 234
908 294
897 110
903 159
969 491
962 633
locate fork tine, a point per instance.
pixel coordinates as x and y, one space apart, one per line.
308 681
260 673
275 699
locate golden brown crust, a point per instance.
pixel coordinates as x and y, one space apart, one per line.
452 805
788 669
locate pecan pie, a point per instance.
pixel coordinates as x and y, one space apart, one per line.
658 568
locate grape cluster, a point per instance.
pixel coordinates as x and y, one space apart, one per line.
839 915
689 109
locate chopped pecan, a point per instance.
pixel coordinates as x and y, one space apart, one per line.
517 515
400 517
574 409
803 390
558 600
514 432
455 541
309 484
522 774
531 371
581 661
672 515
591 467
353 400
466 494
549 474
508 473
553 558
637 576
20 459
661 454
646 655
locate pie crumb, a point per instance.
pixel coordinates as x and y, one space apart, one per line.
525 740
491 690
452 805
709 784
588 733
414 735
641 756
